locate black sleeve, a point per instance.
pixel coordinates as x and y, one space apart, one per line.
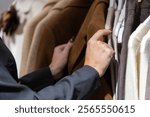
76 86
38 79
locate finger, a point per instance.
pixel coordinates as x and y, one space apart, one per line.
68 47
106 47
61 47
100 34
105 44
70 44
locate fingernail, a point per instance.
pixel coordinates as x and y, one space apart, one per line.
72 39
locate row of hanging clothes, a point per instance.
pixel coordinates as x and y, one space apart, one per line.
45 24
129 69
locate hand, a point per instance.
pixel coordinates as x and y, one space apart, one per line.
98 53
59 59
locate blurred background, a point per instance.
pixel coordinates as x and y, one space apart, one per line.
4 4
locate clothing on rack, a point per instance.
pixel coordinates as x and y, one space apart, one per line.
59 26
144 59
115 16
29 30
118 34
94 21
133 61
119 27
136 13
31 9
57 21
109 25
114 37
129 22
147 91
22 15
37 85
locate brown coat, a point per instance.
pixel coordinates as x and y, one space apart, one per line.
61 24
29 32
94 21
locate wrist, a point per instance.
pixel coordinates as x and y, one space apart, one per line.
55 73
52 71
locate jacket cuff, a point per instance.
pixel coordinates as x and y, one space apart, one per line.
38 79
91 69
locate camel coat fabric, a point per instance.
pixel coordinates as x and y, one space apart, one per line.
60 25
94 21
29 30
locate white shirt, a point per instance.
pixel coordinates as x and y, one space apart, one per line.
118 31
133 59
144 58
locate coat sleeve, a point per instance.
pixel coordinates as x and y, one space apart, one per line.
38 79
76 86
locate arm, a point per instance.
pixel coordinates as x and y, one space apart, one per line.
38 79
49 75
85 80
76 86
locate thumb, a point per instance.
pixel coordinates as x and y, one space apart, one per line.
68 47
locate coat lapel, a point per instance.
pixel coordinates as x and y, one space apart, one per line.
94 21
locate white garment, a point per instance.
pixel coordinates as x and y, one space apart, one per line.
118 34
110 15
27 9
118 31
15 46
133 58
115 37
121 31
118 11
1 34
144 58
113 16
